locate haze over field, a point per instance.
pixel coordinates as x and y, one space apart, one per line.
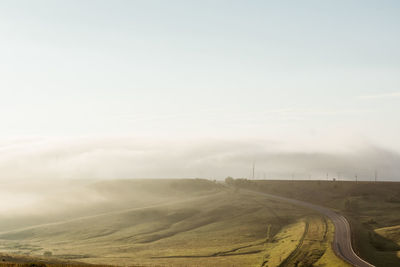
169 132
144 89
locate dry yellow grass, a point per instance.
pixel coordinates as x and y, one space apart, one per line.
223 227
391 233
283 244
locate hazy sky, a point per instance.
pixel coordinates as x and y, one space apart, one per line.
311 73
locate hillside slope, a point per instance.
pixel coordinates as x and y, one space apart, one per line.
216 226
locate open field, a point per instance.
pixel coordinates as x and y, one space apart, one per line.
205 223
372 209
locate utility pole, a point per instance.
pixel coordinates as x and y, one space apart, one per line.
376 175
327 176
356 178
254 167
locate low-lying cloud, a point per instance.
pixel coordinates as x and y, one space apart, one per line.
122 158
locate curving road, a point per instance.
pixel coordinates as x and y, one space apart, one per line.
342 241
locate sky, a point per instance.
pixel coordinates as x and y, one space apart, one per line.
306 76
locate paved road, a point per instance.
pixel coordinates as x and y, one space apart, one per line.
342 241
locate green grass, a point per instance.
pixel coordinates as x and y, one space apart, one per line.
283 244
204 229
203 223
370 207
305 243
329 258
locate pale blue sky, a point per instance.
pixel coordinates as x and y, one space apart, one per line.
281 70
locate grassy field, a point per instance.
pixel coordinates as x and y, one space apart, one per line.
204 223
372 208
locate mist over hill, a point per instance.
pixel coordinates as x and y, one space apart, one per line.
111 158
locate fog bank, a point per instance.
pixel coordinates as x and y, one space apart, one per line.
124 158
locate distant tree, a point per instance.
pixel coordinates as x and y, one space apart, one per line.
229 180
